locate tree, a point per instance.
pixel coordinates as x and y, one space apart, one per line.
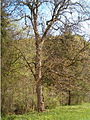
8 57
65 62
59 13
9 63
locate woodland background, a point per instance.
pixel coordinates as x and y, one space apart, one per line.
63 75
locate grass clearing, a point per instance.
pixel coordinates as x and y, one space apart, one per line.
77 112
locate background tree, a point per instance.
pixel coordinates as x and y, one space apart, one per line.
14 97
64 66
8 60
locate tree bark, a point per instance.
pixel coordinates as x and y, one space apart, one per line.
38 70
69 97
40 98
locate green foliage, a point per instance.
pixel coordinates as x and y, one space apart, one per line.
61 54
52 103
7 58
51 99
65 65
17 93
79 112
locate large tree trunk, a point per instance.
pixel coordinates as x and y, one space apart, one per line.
40 97
38 63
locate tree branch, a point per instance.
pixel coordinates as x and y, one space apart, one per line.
26 62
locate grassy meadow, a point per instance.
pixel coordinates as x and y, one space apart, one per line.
77 112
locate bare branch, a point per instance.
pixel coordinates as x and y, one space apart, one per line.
26 62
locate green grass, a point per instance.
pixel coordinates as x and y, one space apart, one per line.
79 112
